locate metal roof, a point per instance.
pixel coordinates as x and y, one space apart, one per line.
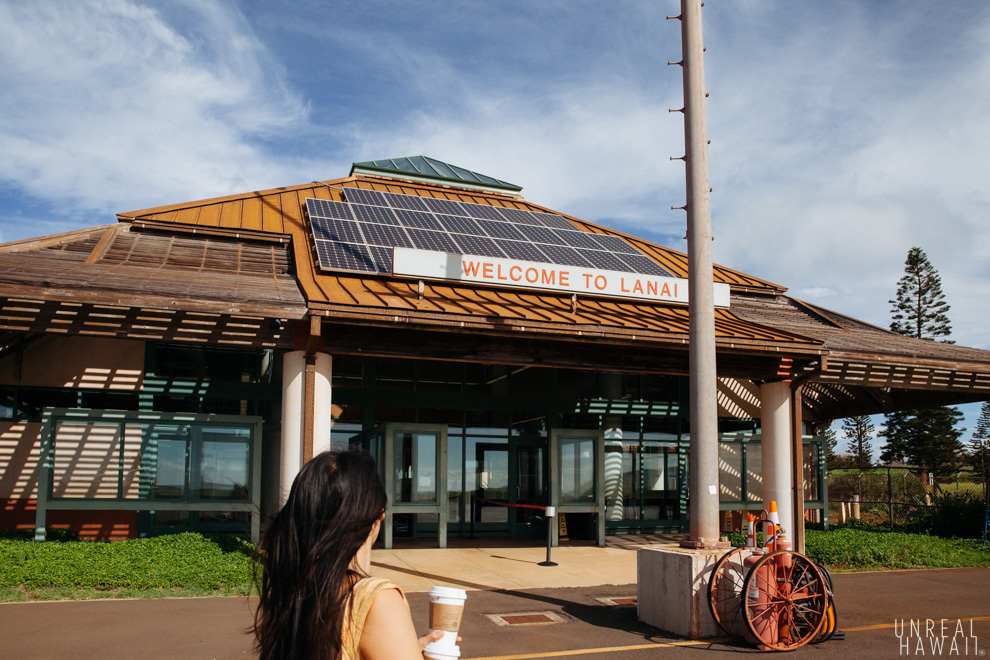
423 168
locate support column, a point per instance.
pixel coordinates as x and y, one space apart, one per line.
775 422
295 447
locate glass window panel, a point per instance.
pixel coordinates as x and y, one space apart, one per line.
416 467
577 470
223 464
167 445
754 472
620 479
659 464
455 474
529 424
730 476
811 472
86 461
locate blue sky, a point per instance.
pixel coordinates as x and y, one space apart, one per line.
842 133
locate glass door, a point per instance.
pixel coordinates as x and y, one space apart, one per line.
414 469
527 486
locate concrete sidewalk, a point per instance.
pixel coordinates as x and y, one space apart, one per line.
509 564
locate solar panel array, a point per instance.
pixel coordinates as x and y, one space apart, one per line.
359 234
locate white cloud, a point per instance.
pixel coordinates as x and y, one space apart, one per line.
109 107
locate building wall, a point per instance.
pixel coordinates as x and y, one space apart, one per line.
76 362
90 363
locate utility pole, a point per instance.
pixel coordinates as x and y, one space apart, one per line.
703 466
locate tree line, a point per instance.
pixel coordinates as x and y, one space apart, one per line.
928 438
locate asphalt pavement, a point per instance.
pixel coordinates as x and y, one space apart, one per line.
894 614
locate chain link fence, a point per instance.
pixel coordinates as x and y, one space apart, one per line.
892 494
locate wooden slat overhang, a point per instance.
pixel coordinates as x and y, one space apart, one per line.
127 282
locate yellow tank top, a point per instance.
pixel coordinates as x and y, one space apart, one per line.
356 612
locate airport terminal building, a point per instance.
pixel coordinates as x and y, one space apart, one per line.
171 372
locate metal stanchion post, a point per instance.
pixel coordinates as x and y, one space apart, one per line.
550 513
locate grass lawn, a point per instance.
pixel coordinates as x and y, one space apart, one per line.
191 565
164 566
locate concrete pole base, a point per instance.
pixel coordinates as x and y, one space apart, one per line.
672 590
699 544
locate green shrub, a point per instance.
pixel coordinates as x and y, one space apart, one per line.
960 515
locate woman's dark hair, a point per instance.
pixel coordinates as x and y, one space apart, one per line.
306 552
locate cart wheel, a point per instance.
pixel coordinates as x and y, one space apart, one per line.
725 591
785 601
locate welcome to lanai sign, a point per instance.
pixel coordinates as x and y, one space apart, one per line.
548 277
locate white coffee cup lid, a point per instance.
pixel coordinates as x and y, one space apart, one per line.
448 592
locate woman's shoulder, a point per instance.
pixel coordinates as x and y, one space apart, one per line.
367 588
374 584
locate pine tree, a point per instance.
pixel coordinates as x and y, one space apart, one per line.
928 438
832 460
859 431
979 446
920 309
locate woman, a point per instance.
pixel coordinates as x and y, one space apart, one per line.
317 599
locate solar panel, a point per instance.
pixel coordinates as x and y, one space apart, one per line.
614 244
385 235
418 220
524 251
501 230
349 256
479 245
360 234
604 260
331 209
520 216
565 256
578 239
334 229
555 221
361 196
435 241
379 214
639 264
541 235
444 206
482 211
405 202
460 225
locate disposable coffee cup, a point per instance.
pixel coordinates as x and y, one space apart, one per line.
446 609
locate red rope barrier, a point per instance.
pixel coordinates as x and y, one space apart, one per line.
516 506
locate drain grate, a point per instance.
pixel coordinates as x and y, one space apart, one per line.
547 618
617 601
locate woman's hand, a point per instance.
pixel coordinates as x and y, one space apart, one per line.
433 636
